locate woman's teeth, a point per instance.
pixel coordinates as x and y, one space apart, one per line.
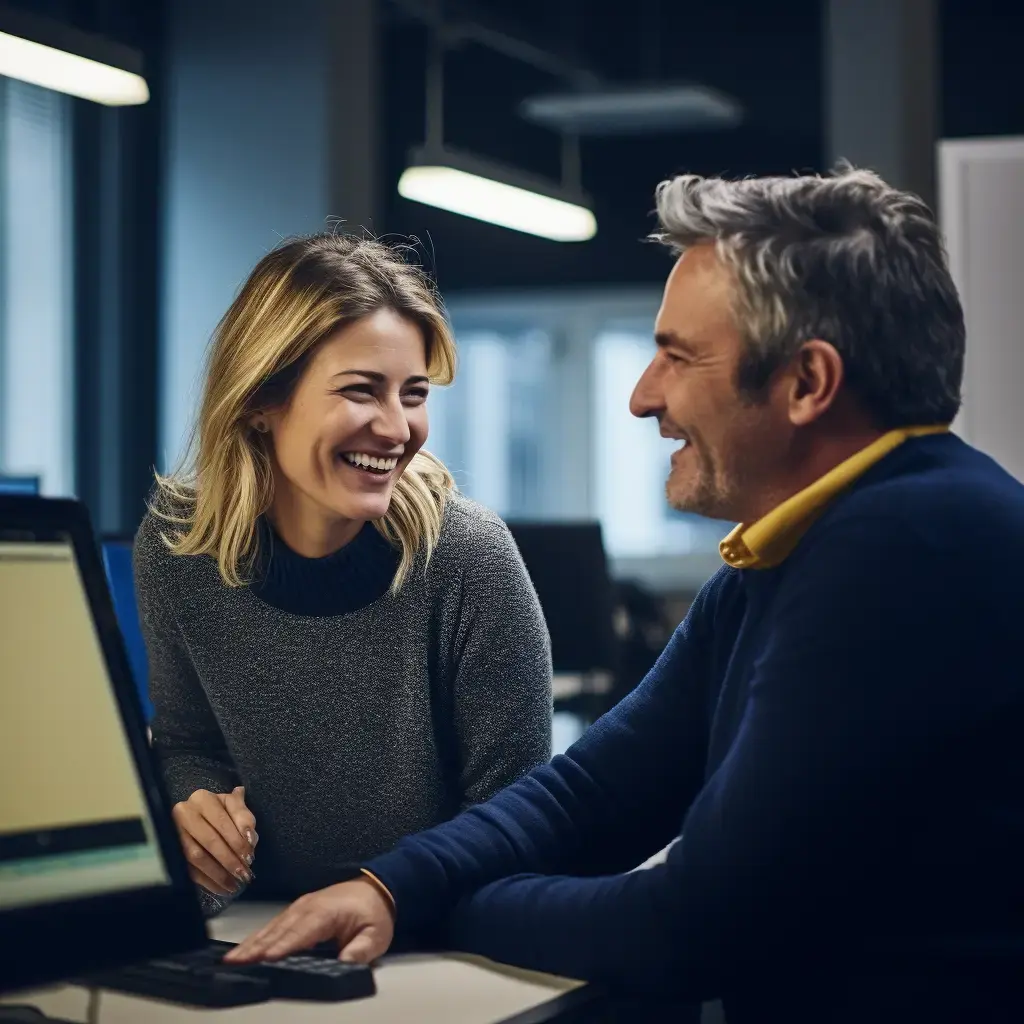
364 461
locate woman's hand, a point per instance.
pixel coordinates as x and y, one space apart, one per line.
356 915
218 835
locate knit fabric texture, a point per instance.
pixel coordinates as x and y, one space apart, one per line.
352 730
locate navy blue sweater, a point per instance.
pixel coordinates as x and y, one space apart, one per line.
837 743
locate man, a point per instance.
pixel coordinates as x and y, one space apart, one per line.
834 732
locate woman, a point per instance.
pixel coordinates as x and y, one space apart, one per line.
343 650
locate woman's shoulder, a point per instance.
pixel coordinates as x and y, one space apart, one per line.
474 541
468 524
166 514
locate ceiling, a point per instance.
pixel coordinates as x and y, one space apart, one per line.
766 56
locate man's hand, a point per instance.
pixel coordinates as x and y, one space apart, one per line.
354 914
218 835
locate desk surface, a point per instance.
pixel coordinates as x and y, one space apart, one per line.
434 989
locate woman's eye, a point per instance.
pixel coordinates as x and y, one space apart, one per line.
417 395
357 389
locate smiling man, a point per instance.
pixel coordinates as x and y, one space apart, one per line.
834 732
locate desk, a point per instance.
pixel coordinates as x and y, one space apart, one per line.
413 988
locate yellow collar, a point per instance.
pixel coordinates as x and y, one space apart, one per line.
767 542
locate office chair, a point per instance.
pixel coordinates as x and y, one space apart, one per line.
117 560
19 484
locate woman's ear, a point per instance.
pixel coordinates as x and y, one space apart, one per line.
258 422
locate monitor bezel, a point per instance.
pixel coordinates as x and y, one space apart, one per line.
63 940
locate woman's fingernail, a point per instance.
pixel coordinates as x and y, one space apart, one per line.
253 837
245 876
248 858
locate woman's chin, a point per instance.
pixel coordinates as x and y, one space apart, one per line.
363 507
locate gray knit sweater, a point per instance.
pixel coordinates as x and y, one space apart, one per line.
348 731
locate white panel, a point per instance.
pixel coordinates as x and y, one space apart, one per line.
982 210
35 402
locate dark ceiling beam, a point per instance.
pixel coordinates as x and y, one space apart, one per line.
463 21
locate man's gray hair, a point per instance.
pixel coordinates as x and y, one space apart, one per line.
845 258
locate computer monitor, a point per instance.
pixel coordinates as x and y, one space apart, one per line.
567 564
91 872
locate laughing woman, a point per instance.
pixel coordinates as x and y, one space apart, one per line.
342 649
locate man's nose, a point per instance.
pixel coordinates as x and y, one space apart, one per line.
646 399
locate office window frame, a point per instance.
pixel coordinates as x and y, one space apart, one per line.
574 319
37 380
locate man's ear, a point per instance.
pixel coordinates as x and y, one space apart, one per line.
816 375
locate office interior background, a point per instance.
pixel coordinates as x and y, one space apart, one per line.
125 231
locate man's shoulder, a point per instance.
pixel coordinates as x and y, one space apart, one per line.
939 495
944 535
717 606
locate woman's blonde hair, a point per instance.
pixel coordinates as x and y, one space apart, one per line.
298 295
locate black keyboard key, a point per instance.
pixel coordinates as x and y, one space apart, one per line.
201 978
218 989
318 979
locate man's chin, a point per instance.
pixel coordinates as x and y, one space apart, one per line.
682 495
685 504
690 501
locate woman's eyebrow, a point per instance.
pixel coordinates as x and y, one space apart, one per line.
379 378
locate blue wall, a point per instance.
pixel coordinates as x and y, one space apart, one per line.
247 161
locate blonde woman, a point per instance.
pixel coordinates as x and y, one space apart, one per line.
343 650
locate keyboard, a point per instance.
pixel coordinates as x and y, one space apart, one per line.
200 978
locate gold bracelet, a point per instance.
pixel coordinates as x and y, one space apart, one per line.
382 889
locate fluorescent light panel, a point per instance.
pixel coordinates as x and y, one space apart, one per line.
635 110
69 73
497 202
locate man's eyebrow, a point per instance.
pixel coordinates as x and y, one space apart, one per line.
669 339
379 378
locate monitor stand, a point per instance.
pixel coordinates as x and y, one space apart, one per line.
25 1014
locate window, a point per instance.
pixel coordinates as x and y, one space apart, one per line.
638 522
490 426
537 426
36 407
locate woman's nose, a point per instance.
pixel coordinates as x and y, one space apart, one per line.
392 423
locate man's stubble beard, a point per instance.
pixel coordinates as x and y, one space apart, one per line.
708 498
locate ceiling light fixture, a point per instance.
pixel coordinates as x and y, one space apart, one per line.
484 190
55 56
465 184
635 110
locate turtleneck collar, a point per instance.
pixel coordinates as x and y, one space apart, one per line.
345 581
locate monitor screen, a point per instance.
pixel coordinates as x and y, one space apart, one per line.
567 564
76 822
